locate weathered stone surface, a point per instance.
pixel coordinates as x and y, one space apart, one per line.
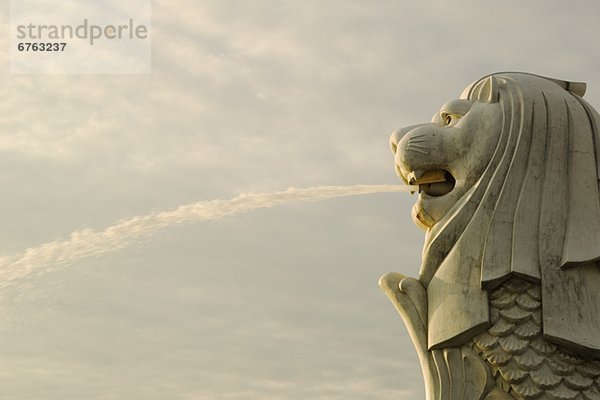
507 303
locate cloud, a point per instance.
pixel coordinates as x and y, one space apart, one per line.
184 316
243 97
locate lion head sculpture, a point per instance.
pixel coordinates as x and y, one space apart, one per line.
508 180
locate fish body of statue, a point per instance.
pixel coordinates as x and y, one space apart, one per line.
507 302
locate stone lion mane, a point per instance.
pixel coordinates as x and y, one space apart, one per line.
537 204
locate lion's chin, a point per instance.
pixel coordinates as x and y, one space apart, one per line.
420 217
435 201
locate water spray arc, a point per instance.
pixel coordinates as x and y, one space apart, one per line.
88 243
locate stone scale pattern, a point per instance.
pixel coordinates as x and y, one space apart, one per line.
522 362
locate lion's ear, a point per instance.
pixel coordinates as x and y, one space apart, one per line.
488 90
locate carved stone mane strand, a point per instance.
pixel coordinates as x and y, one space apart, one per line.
534 213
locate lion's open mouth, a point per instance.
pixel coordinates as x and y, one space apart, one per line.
434 182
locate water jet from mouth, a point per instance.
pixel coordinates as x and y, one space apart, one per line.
87 243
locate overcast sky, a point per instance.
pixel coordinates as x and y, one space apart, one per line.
244 96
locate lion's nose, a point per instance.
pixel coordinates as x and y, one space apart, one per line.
397 135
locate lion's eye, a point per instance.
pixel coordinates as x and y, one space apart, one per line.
449 119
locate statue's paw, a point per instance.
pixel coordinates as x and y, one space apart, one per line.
415 290
406 293
390 282
409 298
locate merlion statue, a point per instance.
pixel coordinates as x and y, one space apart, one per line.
507 302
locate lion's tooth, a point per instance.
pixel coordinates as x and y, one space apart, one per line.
418 173
431 176
410 177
